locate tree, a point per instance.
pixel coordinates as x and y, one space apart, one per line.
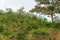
9 10
1 11
50 7
57 19
21 10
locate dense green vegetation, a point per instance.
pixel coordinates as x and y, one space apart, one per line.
51 7
20 26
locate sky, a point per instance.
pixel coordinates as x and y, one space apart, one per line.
16 4
28 4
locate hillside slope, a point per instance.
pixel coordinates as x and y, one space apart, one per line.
24 27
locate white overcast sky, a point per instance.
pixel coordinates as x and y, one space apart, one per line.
15 4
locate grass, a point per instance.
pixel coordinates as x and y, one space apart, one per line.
15 26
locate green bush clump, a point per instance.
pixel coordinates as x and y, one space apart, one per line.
1 28
26 27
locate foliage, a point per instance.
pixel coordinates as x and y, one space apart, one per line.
50 7
21 26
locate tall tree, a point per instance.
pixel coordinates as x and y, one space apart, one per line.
50 7
21 10
9 10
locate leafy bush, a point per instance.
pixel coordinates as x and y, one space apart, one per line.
25 27
1 28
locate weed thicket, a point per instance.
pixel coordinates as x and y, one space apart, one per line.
16 26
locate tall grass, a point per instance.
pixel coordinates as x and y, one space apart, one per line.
24 27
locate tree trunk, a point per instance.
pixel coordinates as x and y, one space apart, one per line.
52 18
